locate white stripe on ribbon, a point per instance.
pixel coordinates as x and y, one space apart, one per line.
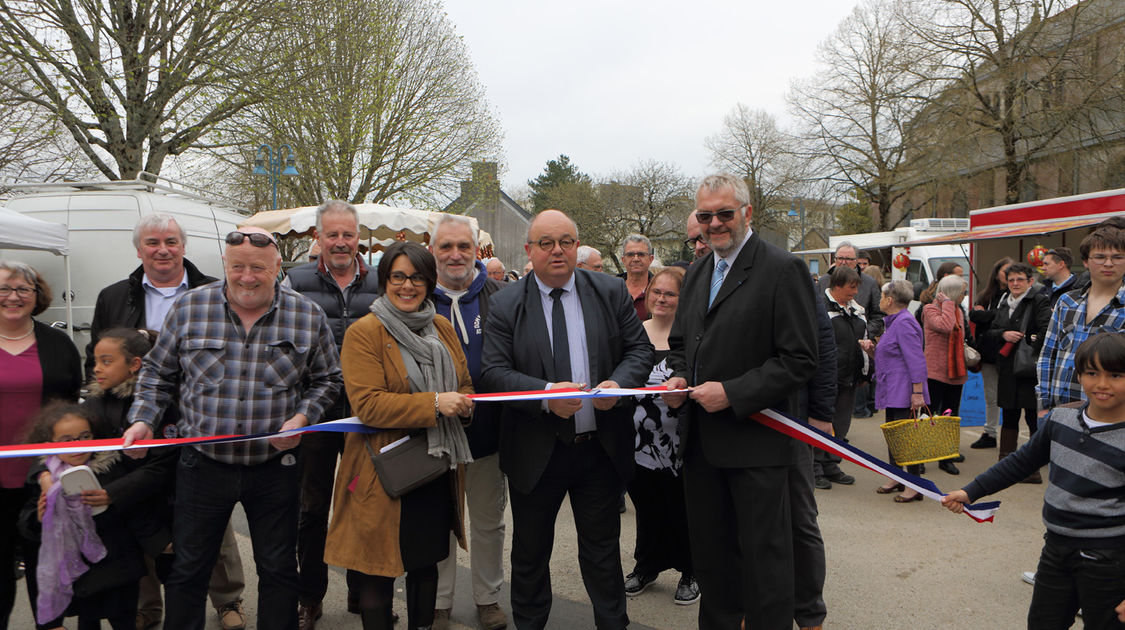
980 512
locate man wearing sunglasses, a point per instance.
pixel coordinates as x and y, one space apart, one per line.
245 356
141 301
869 293
744 339
558 327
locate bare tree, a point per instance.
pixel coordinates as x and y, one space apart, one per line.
753 146
136 82
1024 80
390 106
33 146
856 112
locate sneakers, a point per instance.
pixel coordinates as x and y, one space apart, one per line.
231 617
841 477
636 583
491 617
307 616
1028 576
984 441
687 591
822 483
441 619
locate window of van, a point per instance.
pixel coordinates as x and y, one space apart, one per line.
963 262
915 273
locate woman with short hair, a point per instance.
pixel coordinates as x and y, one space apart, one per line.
900 369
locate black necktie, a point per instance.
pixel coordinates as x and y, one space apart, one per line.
559 345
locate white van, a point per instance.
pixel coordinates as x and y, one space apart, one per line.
101 217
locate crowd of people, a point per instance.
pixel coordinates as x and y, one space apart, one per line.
403 344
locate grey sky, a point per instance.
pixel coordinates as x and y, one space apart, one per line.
613 83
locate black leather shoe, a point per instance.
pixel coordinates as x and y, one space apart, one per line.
949 467
984 441
841 478
636 583
822 483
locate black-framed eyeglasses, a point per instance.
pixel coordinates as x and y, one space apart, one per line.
548 244
397 278
726 214
81 437
635 254
257 239
690 242
21 292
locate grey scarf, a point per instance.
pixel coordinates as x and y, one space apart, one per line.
417 337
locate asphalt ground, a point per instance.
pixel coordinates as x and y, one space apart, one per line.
890 566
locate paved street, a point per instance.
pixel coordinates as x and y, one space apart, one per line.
890 566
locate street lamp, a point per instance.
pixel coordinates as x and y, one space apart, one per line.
269 163
793 206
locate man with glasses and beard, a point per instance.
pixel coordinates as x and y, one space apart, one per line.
743 346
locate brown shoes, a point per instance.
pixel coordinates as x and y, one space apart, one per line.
307 616
231 617
441 619
492 617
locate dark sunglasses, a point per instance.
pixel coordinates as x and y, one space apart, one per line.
257 239
704 216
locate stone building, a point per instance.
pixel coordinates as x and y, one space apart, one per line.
496 212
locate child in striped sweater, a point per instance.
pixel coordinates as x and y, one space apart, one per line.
1082 565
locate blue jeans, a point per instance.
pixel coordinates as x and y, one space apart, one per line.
206 492
1068 579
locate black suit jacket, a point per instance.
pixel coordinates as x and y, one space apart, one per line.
759 339
517 356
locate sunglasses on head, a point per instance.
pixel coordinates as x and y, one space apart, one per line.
257 239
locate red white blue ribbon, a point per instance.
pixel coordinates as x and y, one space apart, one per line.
980 512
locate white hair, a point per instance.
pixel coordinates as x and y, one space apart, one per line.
584 252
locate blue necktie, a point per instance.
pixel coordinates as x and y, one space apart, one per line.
717 280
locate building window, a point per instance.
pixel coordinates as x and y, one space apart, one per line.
959 205
1115 174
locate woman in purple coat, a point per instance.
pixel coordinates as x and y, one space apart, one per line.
900 369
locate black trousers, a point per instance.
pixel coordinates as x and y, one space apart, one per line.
585 472
825 463
741 543
376 594
944 396
319 453
809 562
1068 579
1011 419
662 534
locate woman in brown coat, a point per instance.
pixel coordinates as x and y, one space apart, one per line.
375 537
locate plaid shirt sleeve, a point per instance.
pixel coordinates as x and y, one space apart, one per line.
1048 352
324 375
159 377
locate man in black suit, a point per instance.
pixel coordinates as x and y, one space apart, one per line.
561 328
744 339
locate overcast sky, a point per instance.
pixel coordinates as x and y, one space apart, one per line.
612 83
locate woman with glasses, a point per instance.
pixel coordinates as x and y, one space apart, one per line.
1020 318
405 373
657 489
37 364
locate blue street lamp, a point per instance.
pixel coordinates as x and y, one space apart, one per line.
793 206
269 162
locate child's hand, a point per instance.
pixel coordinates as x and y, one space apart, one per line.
45 481
42 505
96 498
1120 611
955 501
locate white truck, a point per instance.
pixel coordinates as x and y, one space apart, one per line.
924 260
100 217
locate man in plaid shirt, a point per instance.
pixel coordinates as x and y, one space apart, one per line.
1081 314
246 356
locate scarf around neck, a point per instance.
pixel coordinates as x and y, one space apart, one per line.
417 336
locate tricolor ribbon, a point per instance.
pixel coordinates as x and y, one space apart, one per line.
980 512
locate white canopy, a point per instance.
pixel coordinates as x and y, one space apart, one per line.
376 222
19 231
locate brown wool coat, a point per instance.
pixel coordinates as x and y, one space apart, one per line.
364 532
